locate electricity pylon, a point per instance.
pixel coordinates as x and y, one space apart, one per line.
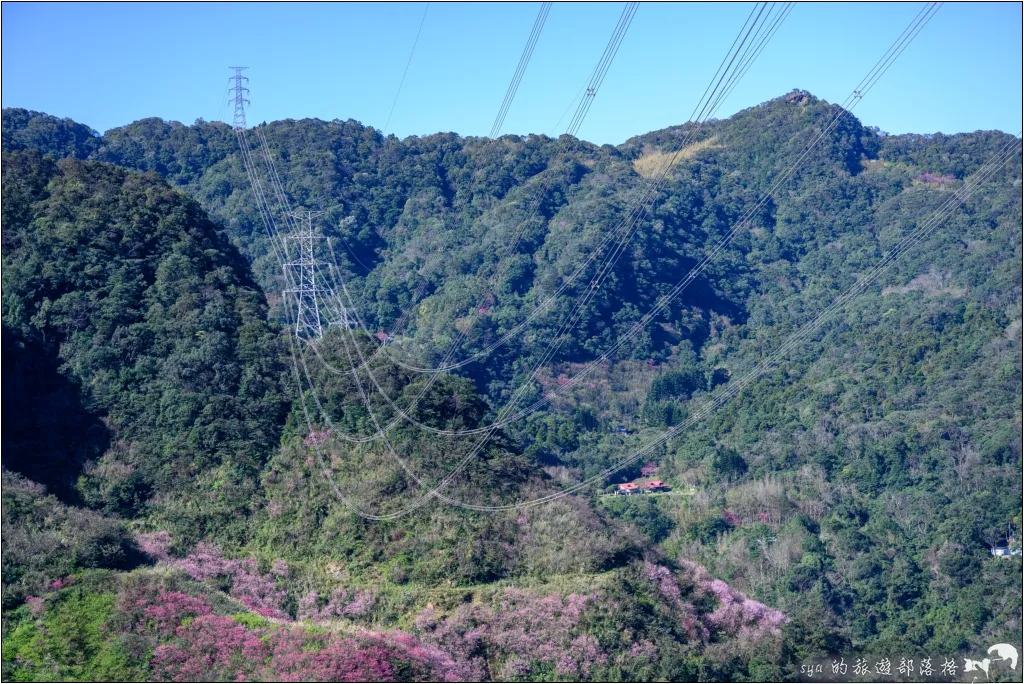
307 292
239 99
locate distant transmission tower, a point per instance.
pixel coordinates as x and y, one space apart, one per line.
239 99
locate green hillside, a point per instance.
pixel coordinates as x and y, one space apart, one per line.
161 478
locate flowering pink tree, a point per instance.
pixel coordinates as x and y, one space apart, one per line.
736 615
215 648
342 603
156 545
297 656
62 582
260 592
165 613
522 631
36 605
316 438
207 562
257 591
210 648
190 643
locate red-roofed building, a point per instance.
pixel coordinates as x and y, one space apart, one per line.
656 486
628 488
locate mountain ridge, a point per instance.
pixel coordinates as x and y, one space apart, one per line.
882 458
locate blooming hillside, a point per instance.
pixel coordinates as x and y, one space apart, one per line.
206 616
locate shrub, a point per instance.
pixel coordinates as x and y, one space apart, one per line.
45 540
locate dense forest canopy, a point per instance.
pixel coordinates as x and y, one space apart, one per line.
850 498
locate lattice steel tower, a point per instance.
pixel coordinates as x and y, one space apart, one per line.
307 292
239 99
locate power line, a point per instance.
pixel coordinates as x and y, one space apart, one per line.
751 56
571 103
407 63
874 74
897 49
639 203
524 61
489 430
557 340
600 70
858 95
733 388
503 420
636 204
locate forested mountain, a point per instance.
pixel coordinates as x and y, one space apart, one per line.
125 294
852 494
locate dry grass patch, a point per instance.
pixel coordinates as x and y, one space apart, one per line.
654 162
933 284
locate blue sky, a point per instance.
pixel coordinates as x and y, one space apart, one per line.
106 65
